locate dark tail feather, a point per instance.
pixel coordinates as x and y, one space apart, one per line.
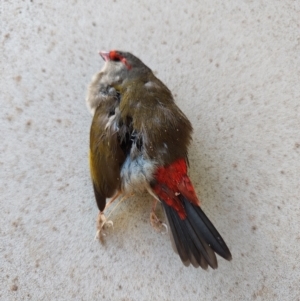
179 239
195 238
207 229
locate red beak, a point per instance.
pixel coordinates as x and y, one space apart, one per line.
104 55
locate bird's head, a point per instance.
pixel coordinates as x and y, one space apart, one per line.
120 70
123 66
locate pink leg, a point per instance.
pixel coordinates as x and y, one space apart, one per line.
112 199
155 222
101 219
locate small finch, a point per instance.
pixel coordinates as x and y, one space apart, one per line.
139 141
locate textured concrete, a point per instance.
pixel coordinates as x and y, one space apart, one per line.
234 69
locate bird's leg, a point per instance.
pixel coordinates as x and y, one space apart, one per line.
112 199
102 220
155 222
125 197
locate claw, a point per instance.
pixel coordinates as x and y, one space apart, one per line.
157 224
102 223
166 228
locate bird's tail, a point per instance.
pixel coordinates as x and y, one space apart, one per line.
195 238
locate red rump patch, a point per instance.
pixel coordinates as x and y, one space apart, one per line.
170 198
115 56
171 181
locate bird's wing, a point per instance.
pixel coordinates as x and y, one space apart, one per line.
106 155
161 129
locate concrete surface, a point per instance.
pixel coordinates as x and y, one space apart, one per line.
234 69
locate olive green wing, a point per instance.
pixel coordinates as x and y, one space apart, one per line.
106 156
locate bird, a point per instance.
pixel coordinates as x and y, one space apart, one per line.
139 141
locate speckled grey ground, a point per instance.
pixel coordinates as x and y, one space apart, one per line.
234 70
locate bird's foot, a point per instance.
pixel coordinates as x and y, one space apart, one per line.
157 224
102 224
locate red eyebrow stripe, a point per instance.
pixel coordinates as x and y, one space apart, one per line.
114 55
